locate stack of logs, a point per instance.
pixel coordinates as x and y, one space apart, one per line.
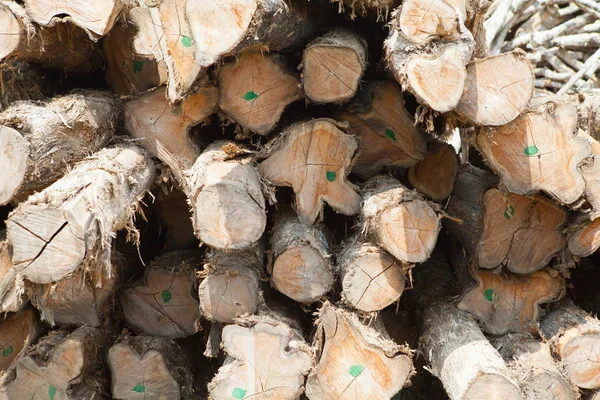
165 171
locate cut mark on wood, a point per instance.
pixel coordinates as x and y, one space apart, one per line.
391 134
531 151
331 175
187 41
249 96
138 66
238 393
139 388
51 392
166 296
7 351
356 370
509 212
489 294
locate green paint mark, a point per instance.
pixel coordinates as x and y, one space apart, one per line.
509 212
51 391
356 370
187 41
166 296
238 393
330 176
488 294
531 150
138 66
249 96
139 388
391 134
7 351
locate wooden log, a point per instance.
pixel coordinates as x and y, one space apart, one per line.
371 278
12 288
423 22
63 46
590 169
314 158
265 357
497 89
584 239
399 220
355 360
539 151
434 175
454 347
61 365
226 197
72 222
17 332
575 336
388 135
332 66
40 141
255 88
145 367
230 287
163 304
595 395
301 266
538 374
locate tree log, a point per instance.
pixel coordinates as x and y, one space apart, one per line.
301 267
164 304
539 151
399 220
230 288
332 66
434 175
314 158
355 360
590 169
17 332
145 367
255 88
451 342
40 141
12 290
584 239
388 135
575 336
266 358
72 221
371 278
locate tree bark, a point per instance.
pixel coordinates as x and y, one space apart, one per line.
590 169
20 80
355 360
72 222
399 220
255 88
150 368
164 304
47 138
266 358
314 158
388 135
365 7
434 175
301 266
12 289
17 332
575 336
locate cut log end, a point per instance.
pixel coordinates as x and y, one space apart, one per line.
495 386
14 153
580 356
434 176
585 240
11 32
422 21
16 333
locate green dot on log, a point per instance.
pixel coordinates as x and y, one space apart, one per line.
531 150
238 393
391 134
356 370
51 391
166 296
331 175
249 96
7 351
187 41
139 388
488 294
509 212
138 66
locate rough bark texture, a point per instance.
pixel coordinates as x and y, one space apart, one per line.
434 175
20 80
590 169
17 332
12 290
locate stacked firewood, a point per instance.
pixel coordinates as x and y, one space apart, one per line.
412 212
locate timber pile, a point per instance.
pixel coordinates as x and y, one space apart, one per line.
283 199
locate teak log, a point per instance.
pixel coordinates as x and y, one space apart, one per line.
371 278
255 88
44 139
266 358
576 338
12 288
399 220
355 360
17 332
454 347
164 304
332 66
584 239
301 266
434 176
314 158
388 135
231 285
145 367
72 222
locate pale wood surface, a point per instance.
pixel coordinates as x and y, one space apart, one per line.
17 332
423 21
434 175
